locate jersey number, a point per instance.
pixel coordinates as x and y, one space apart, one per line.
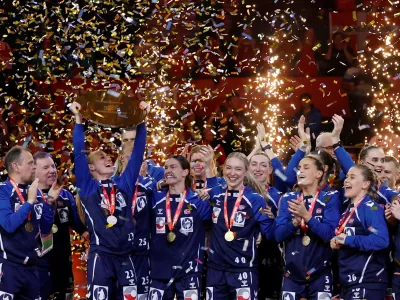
242 259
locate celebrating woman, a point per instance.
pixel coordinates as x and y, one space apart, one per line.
305 224
238 216
108 214
178 236
362 238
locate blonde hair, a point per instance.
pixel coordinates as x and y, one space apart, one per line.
119 167
249 179
79 207
269 162
197 149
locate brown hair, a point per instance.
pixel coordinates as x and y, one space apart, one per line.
185 166
389 158
13 155
369 175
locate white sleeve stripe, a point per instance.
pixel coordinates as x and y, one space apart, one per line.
2 249
162 200
365 267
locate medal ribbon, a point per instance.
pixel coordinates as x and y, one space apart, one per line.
20 196
342 223
134 200
235 208
303 225
171 224
111 203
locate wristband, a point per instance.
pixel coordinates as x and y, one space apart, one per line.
267 147
338 144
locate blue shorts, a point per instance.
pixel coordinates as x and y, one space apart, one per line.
142 267
360 292
223 285
187 287
319 288
111 277
19 282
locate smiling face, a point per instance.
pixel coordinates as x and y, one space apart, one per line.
260 167
100 165
46 171
25 167
174 173
197 165
374 160
390 173
234 173
355 184
308 173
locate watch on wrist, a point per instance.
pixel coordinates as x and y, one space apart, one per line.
266 147
338 144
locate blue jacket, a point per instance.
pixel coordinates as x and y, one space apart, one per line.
66 216
141 217
118 239
304 264
385 194
273 199
241 253
280 183
186 254
362 260
16 244
291 170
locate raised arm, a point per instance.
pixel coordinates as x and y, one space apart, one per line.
82 172
127 181
341 154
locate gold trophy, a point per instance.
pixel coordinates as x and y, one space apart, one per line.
112 109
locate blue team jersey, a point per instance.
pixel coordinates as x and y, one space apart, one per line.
65 217
117 239
17 245
141 218
249 221
304 263
362 260
186 254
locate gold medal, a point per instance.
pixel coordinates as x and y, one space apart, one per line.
229 236
171 237
54 228
306 240
29 227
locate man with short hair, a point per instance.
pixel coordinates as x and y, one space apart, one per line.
23 218
55 268
324 143
391 171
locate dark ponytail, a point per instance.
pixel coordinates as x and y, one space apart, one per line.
364 152
333 172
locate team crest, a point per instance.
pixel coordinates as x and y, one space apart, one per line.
319 210
100 292
240 219
242 207
243 294
215 214
141 203
186 212
63 214
160 225
186 225
350 231
17 206
190 295
121 200
324 296
288 296
6 296
210 293
38 210
351 221
155 294
130 292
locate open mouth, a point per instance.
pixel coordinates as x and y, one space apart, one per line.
347 187
169 176
109 165
233 178
379 171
